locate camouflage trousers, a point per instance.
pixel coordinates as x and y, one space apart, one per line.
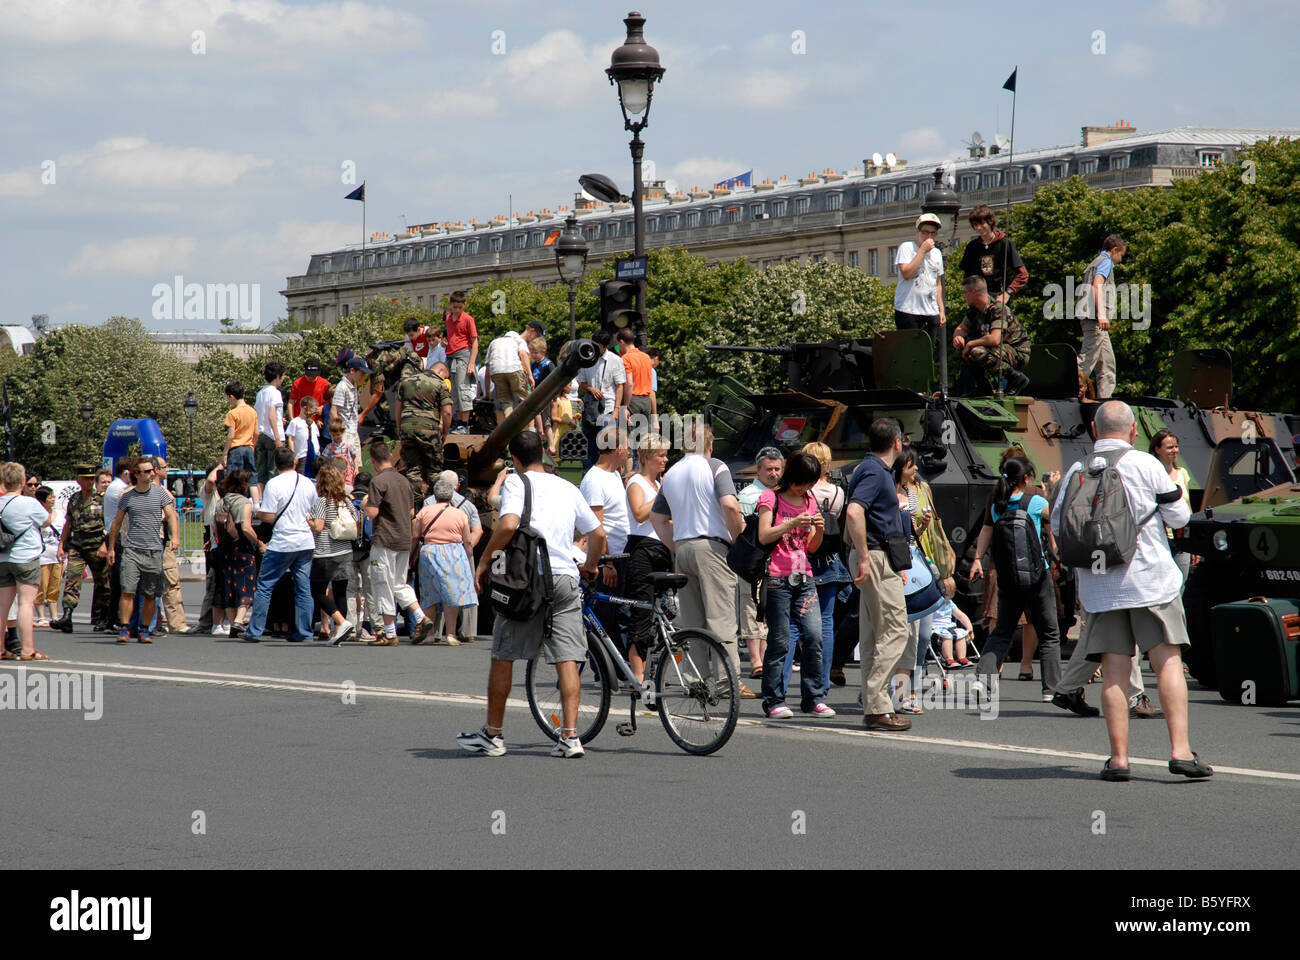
421 455
994 359
78 561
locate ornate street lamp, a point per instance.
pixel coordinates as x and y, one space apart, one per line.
87 411
571 262
191 407
635 68
945 205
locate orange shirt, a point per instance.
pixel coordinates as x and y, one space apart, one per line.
637 363
244 419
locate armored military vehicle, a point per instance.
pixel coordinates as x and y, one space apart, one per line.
832 391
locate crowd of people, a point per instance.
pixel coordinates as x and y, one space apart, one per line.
991 341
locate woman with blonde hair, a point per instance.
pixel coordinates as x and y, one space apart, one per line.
331 560
646 552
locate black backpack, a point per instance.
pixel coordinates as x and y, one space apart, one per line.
1017 553
517 589
748 558
832 530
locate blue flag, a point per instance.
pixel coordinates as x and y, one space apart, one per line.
1011 81
358 194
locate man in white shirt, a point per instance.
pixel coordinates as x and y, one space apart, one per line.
918 301
510 369
270 424
697 516
1137 604
556 511
605 391
346 401
602 487
286 502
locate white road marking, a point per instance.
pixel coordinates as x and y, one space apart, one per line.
254 681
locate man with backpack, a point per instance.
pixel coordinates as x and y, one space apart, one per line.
1129 585
539 512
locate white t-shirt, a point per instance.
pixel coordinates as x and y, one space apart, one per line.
651 491
112 497
607 374
604 489
291 531
557 511
268 398
919 295
23 516
689 494
503 353
297 432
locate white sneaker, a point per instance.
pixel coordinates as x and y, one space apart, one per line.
568 747
223 630
480 742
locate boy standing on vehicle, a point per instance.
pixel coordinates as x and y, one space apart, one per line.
557 509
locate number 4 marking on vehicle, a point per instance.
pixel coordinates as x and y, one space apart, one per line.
1264 544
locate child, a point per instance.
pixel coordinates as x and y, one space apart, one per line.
340 449
51 566
304 438
952 627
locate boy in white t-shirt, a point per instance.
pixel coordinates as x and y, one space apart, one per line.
918 298
304 437
270 425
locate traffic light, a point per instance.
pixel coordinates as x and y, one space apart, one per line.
618 306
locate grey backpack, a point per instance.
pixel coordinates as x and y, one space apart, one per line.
1096 521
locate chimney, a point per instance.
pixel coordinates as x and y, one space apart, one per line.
1092 136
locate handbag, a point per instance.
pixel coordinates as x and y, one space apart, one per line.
935 539
898 552
344 524
265 531
7 537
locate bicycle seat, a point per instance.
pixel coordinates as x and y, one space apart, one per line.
668 581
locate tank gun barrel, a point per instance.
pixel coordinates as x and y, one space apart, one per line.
737 348
580 355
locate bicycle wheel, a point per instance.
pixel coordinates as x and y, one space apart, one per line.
697 692
595 678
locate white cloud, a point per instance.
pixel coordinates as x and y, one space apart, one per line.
1132 60
155 254
556 71
20 183
294 241
460 105
1194 13
703 171
921 144
764 90
257 25
137 163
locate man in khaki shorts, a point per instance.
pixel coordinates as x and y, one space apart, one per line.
1138 604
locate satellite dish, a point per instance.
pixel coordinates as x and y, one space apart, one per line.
877 160
1002 140
670 186
890 160
976 139
1033 172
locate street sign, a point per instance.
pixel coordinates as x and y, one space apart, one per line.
631 268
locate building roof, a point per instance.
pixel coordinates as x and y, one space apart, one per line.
842 180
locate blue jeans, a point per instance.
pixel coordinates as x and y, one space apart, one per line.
275 564
787 605
826 594
134 626
241 458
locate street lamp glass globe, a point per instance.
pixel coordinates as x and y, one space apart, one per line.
571 267
87 410
635 95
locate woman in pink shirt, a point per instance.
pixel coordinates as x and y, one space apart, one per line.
446 565
788 516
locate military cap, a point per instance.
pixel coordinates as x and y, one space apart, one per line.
86 470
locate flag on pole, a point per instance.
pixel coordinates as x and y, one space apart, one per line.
1011 81
358 194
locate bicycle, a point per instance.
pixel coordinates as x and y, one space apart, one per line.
695 689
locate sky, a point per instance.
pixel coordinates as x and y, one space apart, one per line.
214 139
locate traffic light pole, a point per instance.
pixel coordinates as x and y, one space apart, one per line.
638 230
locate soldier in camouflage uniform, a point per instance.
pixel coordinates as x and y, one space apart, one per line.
423 412
387 360
83 544
991 341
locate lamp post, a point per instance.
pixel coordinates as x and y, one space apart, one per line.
87 411
571 262
635 68
191 407
945 205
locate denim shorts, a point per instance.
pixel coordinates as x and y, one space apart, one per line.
241 458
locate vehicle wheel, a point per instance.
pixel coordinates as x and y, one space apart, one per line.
697 692
595 678
1205 588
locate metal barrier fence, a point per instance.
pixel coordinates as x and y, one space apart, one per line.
191 530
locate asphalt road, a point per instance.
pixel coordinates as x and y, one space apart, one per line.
212 753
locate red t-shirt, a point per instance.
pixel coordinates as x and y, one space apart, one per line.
460 332
302 388
420 342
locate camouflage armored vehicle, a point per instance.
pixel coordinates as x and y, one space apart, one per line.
832 392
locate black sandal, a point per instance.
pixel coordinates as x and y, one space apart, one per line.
756 673
1118 774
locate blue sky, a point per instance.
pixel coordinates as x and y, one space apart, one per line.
226 166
